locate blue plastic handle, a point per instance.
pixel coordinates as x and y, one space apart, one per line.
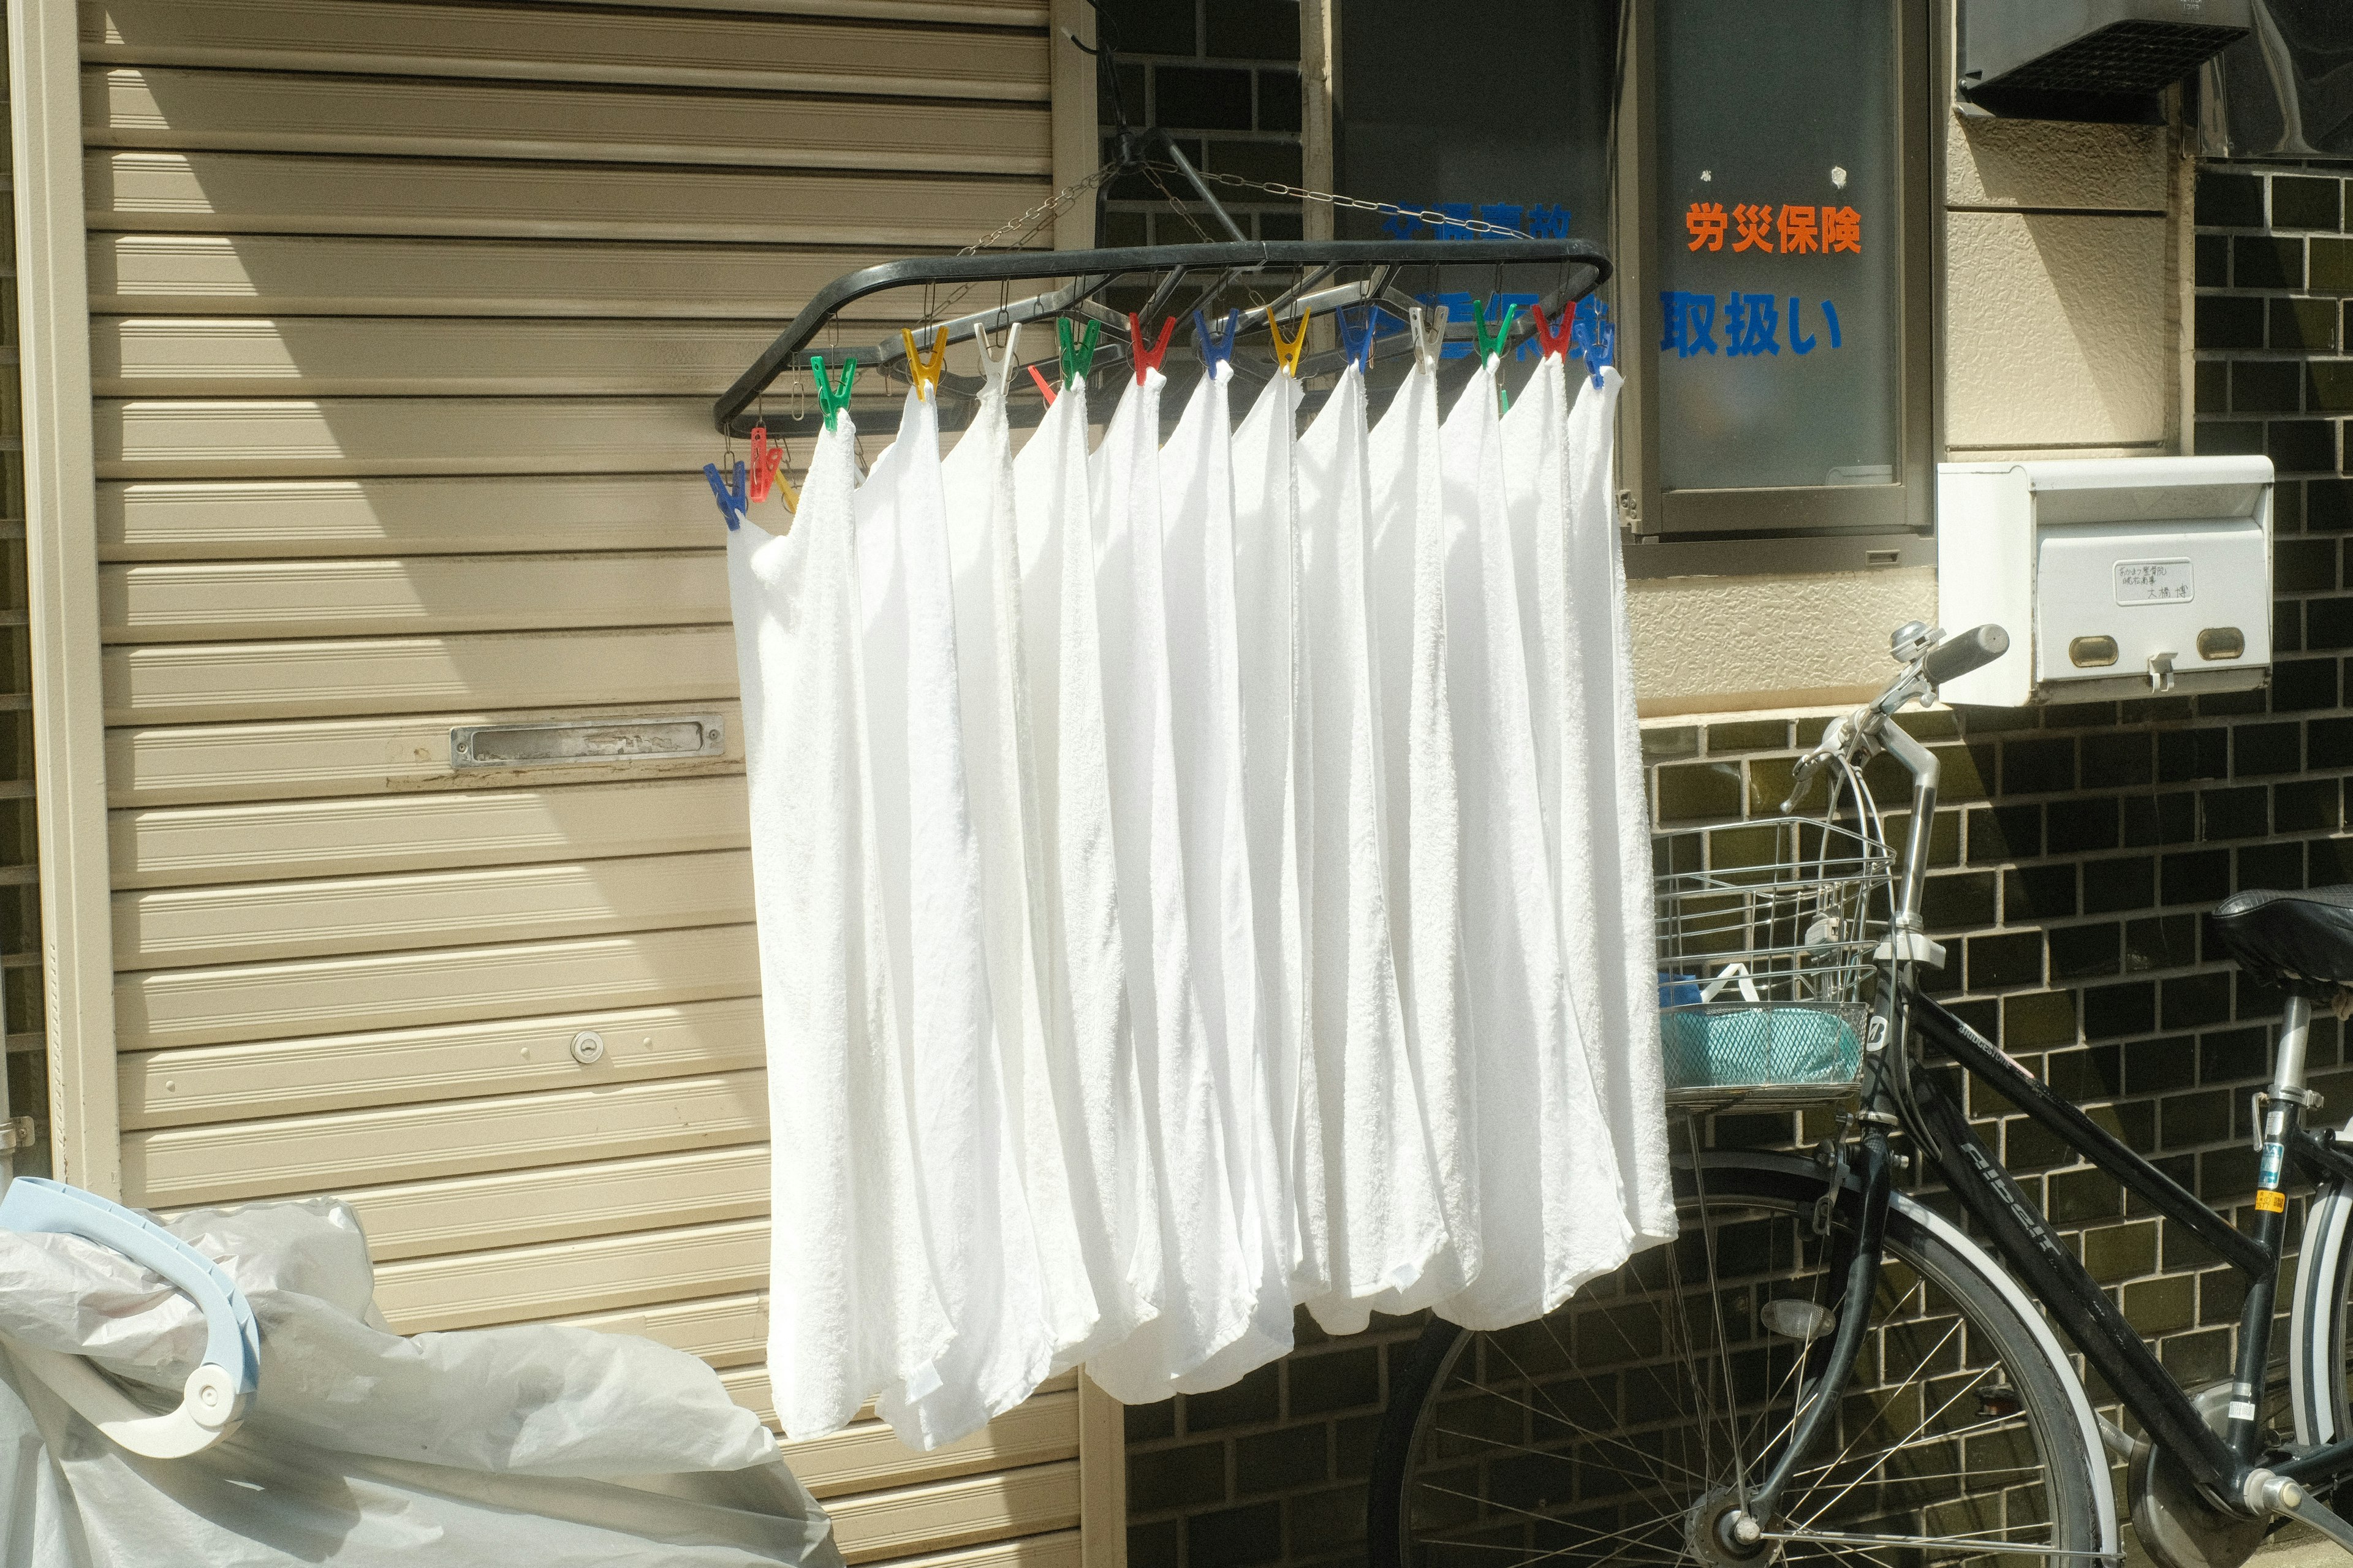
232 1339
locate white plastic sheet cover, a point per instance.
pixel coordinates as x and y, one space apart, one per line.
491 1448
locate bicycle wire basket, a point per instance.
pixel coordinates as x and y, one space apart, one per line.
1766 956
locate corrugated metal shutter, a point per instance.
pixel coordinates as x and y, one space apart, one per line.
404 322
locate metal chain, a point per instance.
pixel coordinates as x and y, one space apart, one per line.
1050 207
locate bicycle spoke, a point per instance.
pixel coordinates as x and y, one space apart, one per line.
1570 1422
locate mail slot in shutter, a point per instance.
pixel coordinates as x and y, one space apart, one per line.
2114 578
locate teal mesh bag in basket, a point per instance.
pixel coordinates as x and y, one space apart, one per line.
1763 966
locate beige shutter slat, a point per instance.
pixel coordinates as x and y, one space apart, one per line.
969 12
866 1456
748 1385
159 107
165 1008
236 193
1058 1549
187 763
201 1084
158 848
767 54
322 1154
730 1331
175 927
396 356
608 670
407 518
563 1202
303 438
407 597
210 275
500 1287
1030 1501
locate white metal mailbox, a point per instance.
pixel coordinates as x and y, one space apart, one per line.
2115 577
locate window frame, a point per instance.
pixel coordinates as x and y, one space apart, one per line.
1781 528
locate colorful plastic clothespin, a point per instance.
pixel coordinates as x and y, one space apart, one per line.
732 502
764 462
1045 391
1147 359
925 372
1429 330
1287 353
832 399
1078 358
1595 337
1489 347
1356 336
1216 348
996 363
1549 343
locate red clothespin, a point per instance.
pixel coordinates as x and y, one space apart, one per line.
1043 390
1148 359
1550 343
764 461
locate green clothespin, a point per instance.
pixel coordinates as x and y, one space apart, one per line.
1080 358
831 398
1490 347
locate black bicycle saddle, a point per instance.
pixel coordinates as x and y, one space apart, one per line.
2296 942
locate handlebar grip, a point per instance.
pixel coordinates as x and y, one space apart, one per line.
1956 655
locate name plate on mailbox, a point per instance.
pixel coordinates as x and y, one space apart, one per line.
581 742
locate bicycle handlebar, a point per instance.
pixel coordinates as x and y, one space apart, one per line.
1956 655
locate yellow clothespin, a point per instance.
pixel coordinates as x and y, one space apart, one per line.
925 373
1286 352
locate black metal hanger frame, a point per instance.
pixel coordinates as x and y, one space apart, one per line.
1314 263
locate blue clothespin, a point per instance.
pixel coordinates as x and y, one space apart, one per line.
1356 336
1595 337
1215 348
732 503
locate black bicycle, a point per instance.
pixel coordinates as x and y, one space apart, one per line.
1822 1367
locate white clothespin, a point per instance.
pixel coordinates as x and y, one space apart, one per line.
1429 330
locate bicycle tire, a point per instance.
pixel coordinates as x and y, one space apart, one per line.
2320 1321
1413 1522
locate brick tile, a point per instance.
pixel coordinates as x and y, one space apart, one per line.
2301 445
2095 1073
2230 438
2287 507
2157 1067
2221 1297
2230 704
2329 861
1334 1380
2267 386
2084 952
2163 1306
1964 770
2183 755
2228 201
2168 818
2037 1021
2038 893
1256 1398
2243 813
2331 266
1203 98
1268 30
1695 792
2269 866
2303 326
2287 627
2226 1176
2081 824
2311 805
1353 1440
2302 685
1283 1460
1155 27
1749 735
2194 1001
2161 941
1279 101
1155 1546
2329 743
2301 201
1234 1537
1145 1423
2193 1359
2327 505
1959 902
2198 877
2005 833
2113 1010
2263 261
1670 744
2081 1195
2228 322
2234 1060
2327 386
2118 1252
2213 261
2120 760
1161 1478
2005 962
1280 226
1322 1521
2209 391
2029 767
2304 565
2077 715
2261 749
2029 1145
2110 886
1931 724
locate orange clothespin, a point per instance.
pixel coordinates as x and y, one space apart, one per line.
925 372
1147 359
764 459
1549 343
1043 389
1286 352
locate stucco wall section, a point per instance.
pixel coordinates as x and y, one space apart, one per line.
2055 330
2054 164
1718 644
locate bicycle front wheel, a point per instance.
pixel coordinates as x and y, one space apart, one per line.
1627 1427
